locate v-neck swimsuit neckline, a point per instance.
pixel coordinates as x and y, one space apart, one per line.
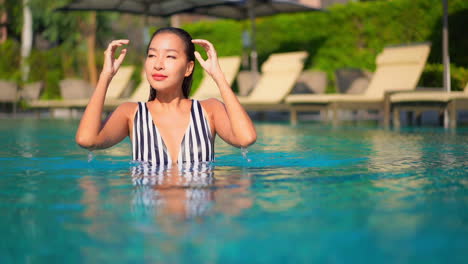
149 146
166 149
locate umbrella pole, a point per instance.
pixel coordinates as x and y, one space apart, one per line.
253 52
446 58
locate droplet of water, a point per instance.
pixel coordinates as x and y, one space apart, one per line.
90 156
244 154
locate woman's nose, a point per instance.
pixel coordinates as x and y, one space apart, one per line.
159 64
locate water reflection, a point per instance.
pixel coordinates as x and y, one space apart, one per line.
393 151
187 191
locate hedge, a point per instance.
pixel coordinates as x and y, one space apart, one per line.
341 37
352 35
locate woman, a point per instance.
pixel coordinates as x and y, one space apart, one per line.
169 128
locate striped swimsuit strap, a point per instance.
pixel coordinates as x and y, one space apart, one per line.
149 146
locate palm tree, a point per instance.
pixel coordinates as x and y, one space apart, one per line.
26 39
3 22
88 28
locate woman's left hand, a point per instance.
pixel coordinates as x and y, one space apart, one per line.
231 122
210 65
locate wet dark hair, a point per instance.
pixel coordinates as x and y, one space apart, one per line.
189 52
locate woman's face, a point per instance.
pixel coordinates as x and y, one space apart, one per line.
166 64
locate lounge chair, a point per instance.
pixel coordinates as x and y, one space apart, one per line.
31 91
398 69
76 92
140 94
352 80
142 91
120 82
246 81
311 82
279 75
419 102
208 89
9 93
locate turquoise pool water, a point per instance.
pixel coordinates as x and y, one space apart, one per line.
310 193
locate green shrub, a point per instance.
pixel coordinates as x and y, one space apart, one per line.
344 36
10 61
351 35
47 66
433 76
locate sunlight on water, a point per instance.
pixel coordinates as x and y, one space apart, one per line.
301 194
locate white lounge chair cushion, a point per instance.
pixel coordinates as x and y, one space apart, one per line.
427 97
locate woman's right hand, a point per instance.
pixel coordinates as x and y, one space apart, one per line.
111 64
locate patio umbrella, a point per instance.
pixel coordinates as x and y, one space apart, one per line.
160 8
156 8
234 9
249 9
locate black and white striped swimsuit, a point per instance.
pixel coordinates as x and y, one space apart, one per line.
149 146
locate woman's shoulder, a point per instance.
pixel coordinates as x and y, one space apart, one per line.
127 108
211 104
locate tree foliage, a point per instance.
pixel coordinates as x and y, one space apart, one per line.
352 35
343 36
60 49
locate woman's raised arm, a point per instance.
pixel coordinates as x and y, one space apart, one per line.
232 123
91 133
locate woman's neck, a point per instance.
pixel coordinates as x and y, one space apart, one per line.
170 100
170 97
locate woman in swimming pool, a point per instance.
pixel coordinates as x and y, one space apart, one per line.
170 127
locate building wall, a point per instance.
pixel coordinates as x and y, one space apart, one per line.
324 3
311 3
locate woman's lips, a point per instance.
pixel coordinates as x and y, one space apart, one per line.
159 77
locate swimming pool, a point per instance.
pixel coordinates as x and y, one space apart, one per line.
310 193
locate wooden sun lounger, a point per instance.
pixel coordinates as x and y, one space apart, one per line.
120 82
140 94
76 93
398 69
279 75
208 89
419 102
9 93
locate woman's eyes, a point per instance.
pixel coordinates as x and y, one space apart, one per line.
169 56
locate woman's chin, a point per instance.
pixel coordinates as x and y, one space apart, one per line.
166 90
